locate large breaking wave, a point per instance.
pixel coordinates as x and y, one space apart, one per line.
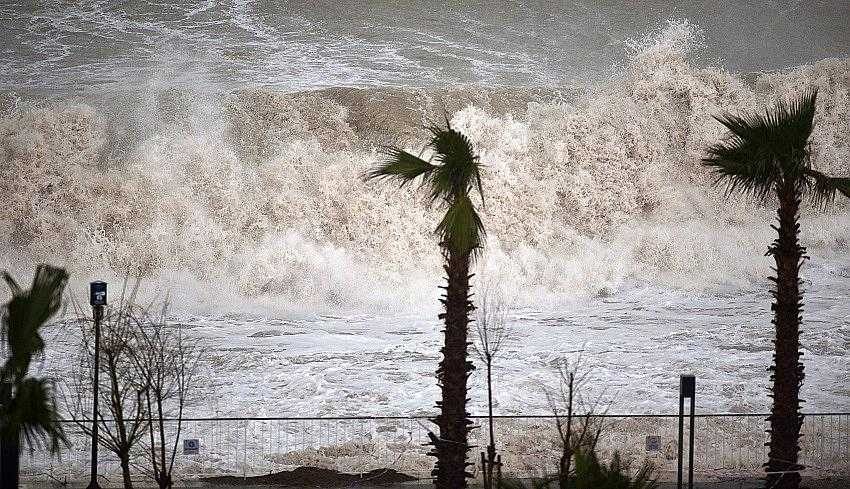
587 189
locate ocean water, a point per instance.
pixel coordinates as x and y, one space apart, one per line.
216 150
301 45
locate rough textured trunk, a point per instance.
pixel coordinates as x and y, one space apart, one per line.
787 372
567 440
165 482
125 470
451 446
564 469
116 407
490 462
9 462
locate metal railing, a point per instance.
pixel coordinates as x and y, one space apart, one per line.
726 445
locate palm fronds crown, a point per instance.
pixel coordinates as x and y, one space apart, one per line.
762 152
27 405
449 176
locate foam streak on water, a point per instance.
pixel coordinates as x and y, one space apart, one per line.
634 346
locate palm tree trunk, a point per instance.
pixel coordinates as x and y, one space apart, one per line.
787 372
451 446
9 461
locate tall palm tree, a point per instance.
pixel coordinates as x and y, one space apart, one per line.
769 156
27 405
449 176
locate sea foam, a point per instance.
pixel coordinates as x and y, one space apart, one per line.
587 189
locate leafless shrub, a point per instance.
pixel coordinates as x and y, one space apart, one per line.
490 322
167 362
491 333
577 415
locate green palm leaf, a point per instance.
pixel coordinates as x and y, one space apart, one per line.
32 412
26 313
27 404
461 228
822 188
401 166
450 176
762 150
459 166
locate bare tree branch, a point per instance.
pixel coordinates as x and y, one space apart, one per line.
490 321
122 413
168 363
575 431
491 333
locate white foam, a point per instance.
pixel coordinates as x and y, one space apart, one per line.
260 192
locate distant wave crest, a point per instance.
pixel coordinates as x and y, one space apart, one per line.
587 189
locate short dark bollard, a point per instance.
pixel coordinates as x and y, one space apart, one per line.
97 299
687 389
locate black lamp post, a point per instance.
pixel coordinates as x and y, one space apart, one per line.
97 299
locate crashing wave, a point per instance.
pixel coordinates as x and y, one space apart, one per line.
587 189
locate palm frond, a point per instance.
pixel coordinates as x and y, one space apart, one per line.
821 188
32 412
461 229
761 150
740 167
401 166
458 172
13 285
449 181
28 405
26 313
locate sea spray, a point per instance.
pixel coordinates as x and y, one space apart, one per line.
260 192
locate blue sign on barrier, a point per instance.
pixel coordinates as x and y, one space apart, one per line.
191 446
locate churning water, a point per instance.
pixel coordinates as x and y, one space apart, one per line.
216 149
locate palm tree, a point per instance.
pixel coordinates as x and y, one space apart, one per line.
764 156
449 176
27 405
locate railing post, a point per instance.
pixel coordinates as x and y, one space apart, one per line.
245 449
681 437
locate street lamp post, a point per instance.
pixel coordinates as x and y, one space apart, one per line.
97 299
